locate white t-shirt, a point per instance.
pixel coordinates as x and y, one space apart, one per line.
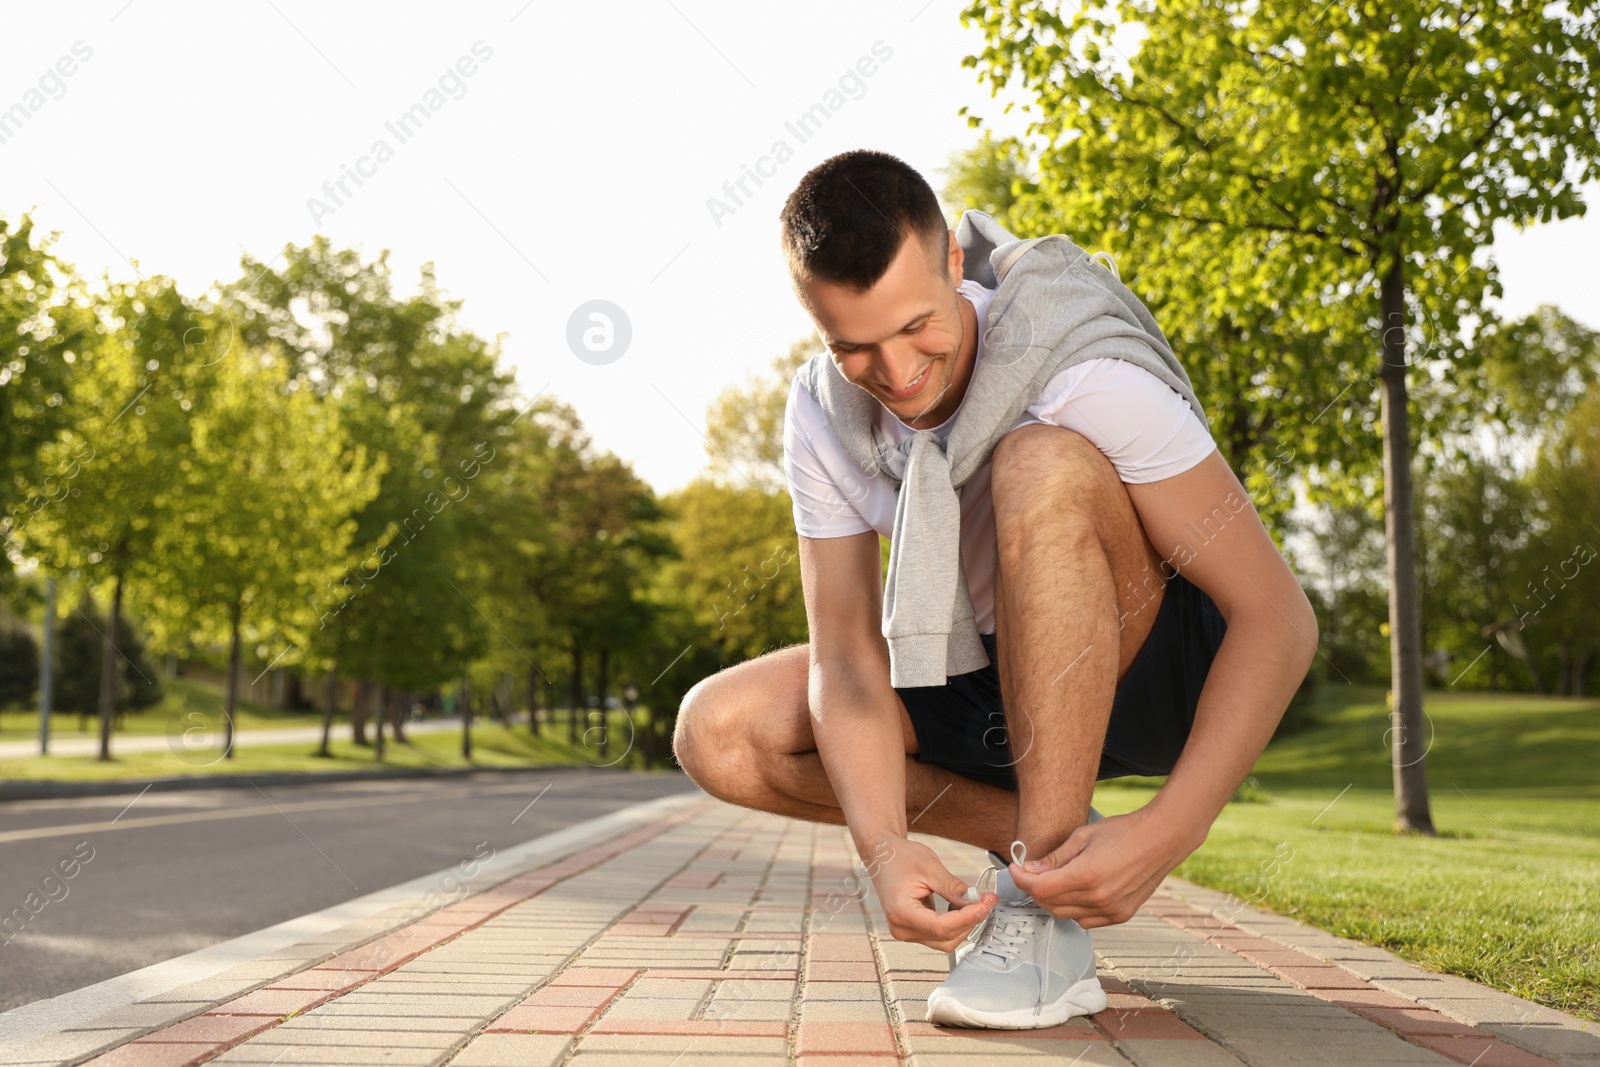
1144 426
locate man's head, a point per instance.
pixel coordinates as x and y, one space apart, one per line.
876 267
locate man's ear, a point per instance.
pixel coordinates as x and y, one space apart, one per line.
957 257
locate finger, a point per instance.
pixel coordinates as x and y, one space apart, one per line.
1059 885
948 886
926 926
1064 853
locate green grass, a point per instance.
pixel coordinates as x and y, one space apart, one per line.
181 696
198 704
1507 895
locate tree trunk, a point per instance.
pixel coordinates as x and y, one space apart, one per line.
108 672
399 708
1580 675
605 713
230 699
329 707
1532 661
577 695
466 719
358 712
1408 724
533 699
377 720
47 666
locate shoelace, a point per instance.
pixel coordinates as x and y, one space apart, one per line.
1012 926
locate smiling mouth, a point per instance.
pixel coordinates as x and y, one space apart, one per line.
913 388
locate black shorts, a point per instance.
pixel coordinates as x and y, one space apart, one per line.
961 725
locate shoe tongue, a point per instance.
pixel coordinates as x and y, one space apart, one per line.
1005 930
1006 888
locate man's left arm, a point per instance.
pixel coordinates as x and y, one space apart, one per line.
1104 871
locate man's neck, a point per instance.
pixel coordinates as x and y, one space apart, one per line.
966 360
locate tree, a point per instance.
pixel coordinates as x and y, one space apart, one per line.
1360 155
1509 507
132 390
19 667
44 323
428 397
744 426
79 662
263 518
738 566
522 557
1564 583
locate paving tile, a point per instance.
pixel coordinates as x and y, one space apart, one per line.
822 1037
71 1045
1414 1020
863 1011
829 971
211 1028
1154 1052
544 1019
351 1055
513 1050
1127 1025
329 981
671 1044
330 1037
576 996
646 1008
1481 1051
615 977
966 1051
691 1028
140 1055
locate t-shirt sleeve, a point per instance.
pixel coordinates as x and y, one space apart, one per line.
811 455
1144 426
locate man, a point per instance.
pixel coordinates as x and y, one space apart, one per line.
1135 615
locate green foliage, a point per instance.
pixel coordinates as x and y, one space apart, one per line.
79 645
992 177
1259 170
744 426
132 390
267 494
19 667
428 401
739 566
1508 511
45 327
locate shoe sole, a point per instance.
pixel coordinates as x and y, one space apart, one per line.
1083 998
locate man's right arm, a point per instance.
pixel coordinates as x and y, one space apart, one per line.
860 734
855 714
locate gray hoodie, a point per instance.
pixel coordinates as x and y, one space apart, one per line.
1052 308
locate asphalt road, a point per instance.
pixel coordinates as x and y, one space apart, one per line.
178 871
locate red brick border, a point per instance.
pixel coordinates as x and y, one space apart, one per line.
1414 1022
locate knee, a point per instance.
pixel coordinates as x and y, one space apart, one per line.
705 738
1048 474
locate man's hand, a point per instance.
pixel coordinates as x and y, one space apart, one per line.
1105 870
907 876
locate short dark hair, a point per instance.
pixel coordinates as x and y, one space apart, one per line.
850 214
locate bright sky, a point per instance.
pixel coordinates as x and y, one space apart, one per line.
569 157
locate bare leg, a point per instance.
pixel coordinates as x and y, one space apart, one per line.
744 735
1078 587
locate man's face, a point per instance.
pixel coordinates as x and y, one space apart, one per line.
906 340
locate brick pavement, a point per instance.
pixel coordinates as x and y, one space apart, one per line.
713 935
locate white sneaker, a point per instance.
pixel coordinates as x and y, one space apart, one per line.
1024 969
